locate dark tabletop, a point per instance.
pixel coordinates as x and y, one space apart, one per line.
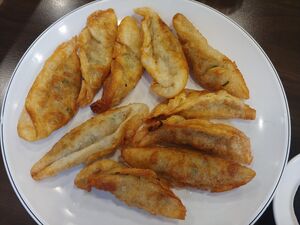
275 24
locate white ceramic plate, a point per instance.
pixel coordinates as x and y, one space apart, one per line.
57 201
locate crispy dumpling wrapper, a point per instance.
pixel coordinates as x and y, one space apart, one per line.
96 43
188 168
211 69
136 187
192 104
99 166
162 55
219 139
126 67
52 99
93 139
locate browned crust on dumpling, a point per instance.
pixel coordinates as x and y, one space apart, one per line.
219 139
211 69
162 55
126 67
96 42
140 188
97 137
52 99
187 168
204 105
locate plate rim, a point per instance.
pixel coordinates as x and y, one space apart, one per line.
15 188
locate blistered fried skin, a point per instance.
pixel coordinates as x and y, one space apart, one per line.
187 168
52 99
162 55
96 42
140 188
95 138
99 166
211 69
204 105
126 67
219 139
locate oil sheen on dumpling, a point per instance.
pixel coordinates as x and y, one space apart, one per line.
52 99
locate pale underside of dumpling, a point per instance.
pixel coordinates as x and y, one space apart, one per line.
162 55
96 43
93 139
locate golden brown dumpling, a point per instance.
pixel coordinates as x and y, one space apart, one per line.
126 67
136 187
96 42
52 99
204 105
219 139
211 69
93 139
162 55
99 166
188 168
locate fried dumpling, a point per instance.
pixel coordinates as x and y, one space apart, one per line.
162 55
126 67
52 99
93 139
139 188
188 168
99 166
211 69
204 105
219 139
96 42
